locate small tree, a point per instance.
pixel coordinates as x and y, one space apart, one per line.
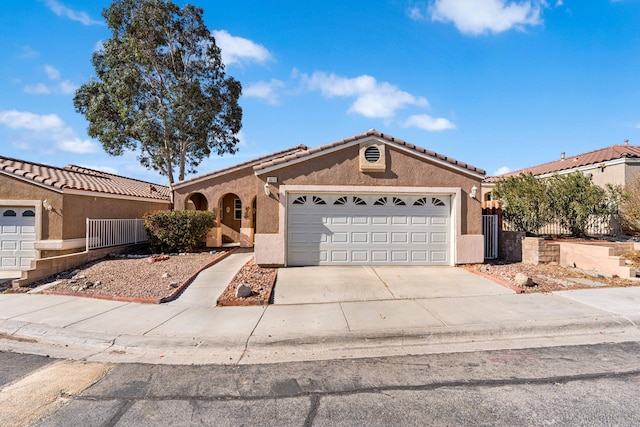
177 231
161 89
575 200
525 203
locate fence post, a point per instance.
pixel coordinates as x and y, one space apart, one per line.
87 236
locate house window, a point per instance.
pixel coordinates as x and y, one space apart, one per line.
9 213
28 213
237 209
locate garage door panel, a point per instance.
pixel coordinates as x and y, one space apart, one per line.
419 237
380 220
360 256
9 229
399 256
359 237
438 237
385 232
340 238
359 220
401 237
378 237
9 261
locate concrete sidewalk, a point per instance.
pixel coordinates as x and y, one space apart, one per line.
414 311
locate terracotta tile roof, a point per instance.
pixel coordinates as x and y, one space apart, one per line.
592 157
297 148
78 178
372 132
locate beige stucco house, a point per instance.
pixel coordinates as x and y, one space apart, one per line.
615 165
370 199
43 209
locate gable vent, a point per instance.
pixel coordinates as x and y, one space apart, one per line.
372 154
372 157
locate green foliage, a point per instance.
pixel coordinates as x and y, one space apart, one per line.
630 207
177 231
575 199
530 203
160 88
524 202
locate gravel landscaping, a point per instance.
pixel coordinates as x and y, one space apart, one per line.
145 277
548 277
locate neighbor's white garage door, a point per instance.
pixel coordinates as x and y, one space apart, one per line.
17 237
326 229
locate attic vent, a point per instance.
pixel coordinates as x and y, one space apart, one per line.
372 157
372 154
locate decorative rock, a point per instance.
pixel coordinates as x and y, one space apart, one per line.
75 288
173 284
522 279
628 262
243 291
98 283
165 276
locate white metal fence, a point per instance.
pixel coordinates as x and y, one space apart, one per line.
103 233
490 232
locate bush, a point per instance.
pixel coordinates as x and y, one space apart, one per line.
630 207
525 202
575 200
177 231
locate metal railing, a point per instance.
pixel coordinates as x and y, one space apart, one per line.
104 233
490 232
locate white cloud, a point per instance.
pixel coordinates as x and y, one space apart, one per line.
52 72
28 52
475 17
264 90
38 89
62 10
426 122
373 99
107 169
238 50
502 171
415 13
64 87
38 131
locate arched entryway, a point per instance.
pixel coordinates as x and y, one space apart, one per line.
196 202
231 212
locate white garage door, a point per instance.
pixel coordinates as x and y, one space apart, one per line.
328 229
17 237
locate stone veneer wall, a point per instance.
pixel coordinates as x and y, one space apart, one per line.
536 251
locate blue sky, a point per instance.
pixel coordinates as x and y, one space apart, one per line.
498 84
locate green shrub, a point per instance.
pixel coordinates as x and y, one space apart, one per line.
177 231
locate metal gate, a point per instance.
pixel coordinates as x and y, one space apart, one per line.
490 231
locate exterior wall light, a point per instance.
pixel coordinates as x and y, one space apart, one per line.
46 205
474 192
267 191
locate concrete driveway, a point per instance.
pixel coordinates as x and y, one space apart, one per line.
304 285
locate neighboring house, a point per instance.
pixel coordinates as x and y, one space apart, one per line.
43 209
366 200
616 165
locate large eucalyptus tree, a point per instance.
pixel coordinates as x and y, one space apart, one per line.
161 89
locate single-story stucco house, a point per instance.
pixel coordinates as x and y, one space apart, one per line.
43 209
370 199
616 165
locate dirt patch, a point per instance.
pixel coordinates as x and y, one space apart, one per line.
548 278
141 278
261 281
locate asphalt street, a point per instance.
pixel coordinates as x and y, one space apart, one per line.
571 385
